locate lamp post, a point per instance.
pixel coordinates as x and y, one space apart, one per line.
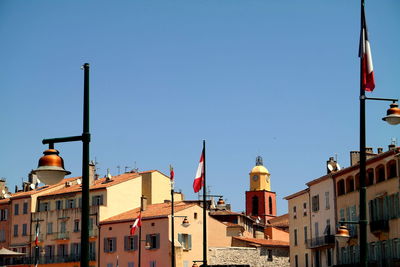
51 167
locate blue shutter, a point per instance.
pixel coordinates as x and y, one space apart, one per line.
190 241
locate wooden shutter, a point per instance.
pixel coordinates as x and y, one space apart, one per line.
126 243
157 240
189 241
105 245
114 241
135 242
180 239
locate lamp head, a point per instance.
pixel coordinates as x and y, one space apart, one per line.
194 264
342 234
51 167
185 222
393 114
147 245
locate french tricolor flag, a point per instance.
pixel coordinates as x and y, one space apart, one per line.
199 179
367 68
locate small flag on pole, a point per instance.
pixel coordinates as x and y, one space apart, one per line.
117 265
37 235
136 224
367 68
171 172
199 179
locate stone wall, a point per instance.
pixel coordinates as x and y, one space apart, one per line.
255 257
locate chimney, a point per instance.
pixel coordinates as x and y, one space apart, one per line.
331 165
143 203
92 173
380 150
392 146
354 158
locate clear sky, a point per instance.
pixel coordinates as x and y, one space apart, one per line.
278 79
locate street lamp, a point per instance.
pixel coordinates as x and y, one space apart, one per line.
51 167
393 114
185 223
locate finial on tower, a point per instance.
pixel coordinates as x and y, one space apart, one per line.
259 161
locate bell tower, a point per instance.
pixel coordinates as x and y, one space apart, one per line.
260 200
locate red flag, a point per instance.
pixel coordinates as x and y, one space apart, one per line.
199 180
367 68
37 235
171 172
136 224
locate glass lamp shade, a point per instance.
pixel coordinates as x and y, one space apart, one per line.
51 168
342 235
185 222
393 114
194 265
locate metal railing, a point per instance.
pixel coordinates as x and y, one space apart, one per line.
327 240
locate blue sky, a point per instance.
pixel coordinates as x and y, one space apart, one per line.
278 79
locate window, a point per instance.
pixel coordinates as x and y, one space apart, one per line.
97 200
254 206
62 250
70 203
2 235
270 205
195 215
340 187
92 249
294 212
153 264
315 203
153 240
131 243
305 234
49 228
59 205
131 264
185 240
75 249
380 174
15 229
370 177
25 208
269 255
49 251
391 169
63 227
357 181
295 237
24 229
304 209
76 226
110 244
327 230
306 259
296 261
327 206
3 215
109 265
44 206
16 209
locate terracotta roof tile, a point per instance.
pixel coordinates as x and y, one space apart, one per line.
232 225
152 211
282 221
264 242
98 184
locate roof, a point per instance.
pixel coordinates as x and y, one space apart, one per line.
297 194
98 184
232 225
24 194
152 211
280 221
263 242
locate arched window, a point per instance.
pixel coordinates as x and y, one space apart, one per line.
340 187
391 169
380 173
349 184
254 206
370 177
270 205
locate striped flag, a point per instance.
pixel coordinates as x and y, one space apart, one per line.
171 172
136 224
37 235
199 179
367 68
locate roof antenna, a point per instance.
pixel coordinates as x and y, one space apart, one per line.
119 169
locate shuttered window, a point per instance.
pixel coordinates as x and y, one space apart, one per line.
185 240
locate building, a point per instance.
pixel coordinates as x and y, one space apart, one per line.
299 228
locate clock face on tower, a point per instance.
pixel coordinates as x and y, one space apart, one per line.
255 177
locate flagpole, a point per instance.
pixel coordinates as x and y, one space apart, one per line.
204 208
140 235
172 224
363 200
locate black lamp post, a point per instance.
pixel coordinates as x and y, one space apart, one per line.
51 167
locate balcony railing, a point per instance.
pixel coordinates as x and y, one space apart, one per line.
62 235
322 241
379 226
93 232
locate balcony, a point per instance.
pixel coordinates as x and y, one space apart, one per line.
61 236
379 226
322 241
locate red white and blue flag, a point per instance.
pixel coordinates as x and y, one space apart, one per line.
199 179
136 224
367 68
